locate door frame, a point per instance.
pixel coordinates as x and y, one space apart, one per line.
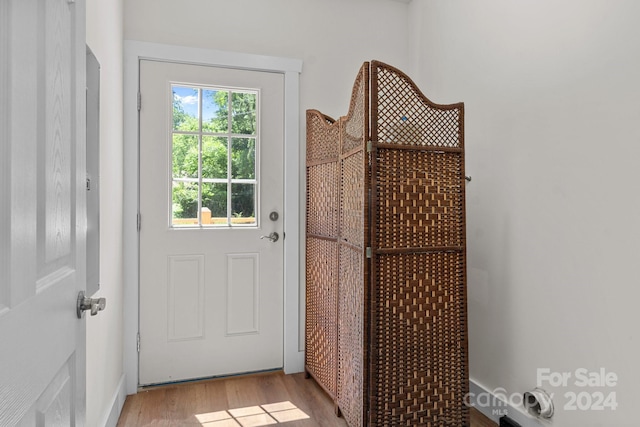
134 51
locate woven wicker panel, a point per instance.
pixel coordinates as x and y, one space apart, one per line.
420 350
321 310
353 237
323 168
356 128
351 302
421 199
419 367
352 199
322 199
403 115
323 137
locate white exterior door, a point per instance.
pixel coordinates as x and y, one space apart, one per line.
211 195
42 215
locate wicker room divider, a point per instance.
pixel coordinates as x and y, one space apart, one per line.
386 324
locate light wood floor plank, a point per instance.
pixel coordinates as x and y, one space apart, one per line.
211 403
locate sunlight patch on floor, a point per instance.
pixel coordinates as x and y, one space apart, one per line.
253 416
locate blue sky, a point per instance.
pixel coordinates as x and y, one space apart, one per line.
188 97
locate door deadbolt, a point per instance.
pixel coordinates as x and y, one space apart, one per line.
273 216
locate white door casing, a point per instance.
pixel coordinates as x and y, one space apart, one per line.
135 51
211 294
42 218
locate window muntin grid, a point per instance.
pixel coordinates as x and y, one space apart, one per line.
214 146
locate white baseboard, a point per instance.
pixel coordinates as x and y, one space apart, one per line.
493 407
111 416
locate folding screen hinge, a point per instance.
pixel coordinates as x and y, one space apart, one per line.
138 342
368 252
139 219
369 146
139 101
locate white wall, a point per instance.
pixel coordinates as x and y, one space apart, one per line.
104 332
332 37
551 92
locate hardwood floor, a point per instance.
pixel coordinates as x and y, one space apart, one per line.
253 400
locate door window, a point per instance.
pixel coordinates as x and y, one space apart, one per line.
213 156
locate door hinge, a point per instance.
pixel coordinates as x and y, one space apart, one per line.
139 225
88 184
138 342
368 252
139 101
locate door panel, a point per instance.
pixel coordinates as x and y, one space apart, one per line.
211 289
43 216
242 294
185 308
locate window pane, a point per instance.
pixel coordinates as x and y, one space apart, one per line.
243 204
243 158
184 207
214 157
208 162
185 108
185 156
214 197
243 113
215 111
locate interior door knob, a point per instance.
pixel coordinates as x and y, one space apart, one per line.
272 237
85 303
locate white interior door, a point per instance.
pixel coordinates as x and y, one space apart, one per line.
211 195
42 215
